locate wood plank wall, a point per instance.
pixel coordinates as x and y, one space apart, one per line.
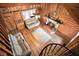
69 26
4 42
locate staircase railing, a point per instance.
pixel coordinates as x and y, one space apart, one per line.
54 49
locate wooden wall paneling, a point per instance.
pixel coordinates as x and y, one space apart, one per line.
73 9
3 48
4 42
4 34
2 53
2 24
5 39
8 19
69 26
18 20
3 31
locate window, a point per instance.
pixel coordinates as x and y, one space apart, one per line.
28 13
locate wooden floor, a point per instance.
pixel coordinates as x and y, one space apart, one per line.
35 44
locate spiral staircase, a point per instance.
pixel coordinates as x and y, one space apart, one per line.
54 49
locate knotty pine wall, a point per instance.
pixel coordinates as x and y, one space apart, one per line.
5 48
69 26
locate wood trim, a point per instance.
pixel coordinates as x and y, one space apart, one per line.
3 48
4 43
